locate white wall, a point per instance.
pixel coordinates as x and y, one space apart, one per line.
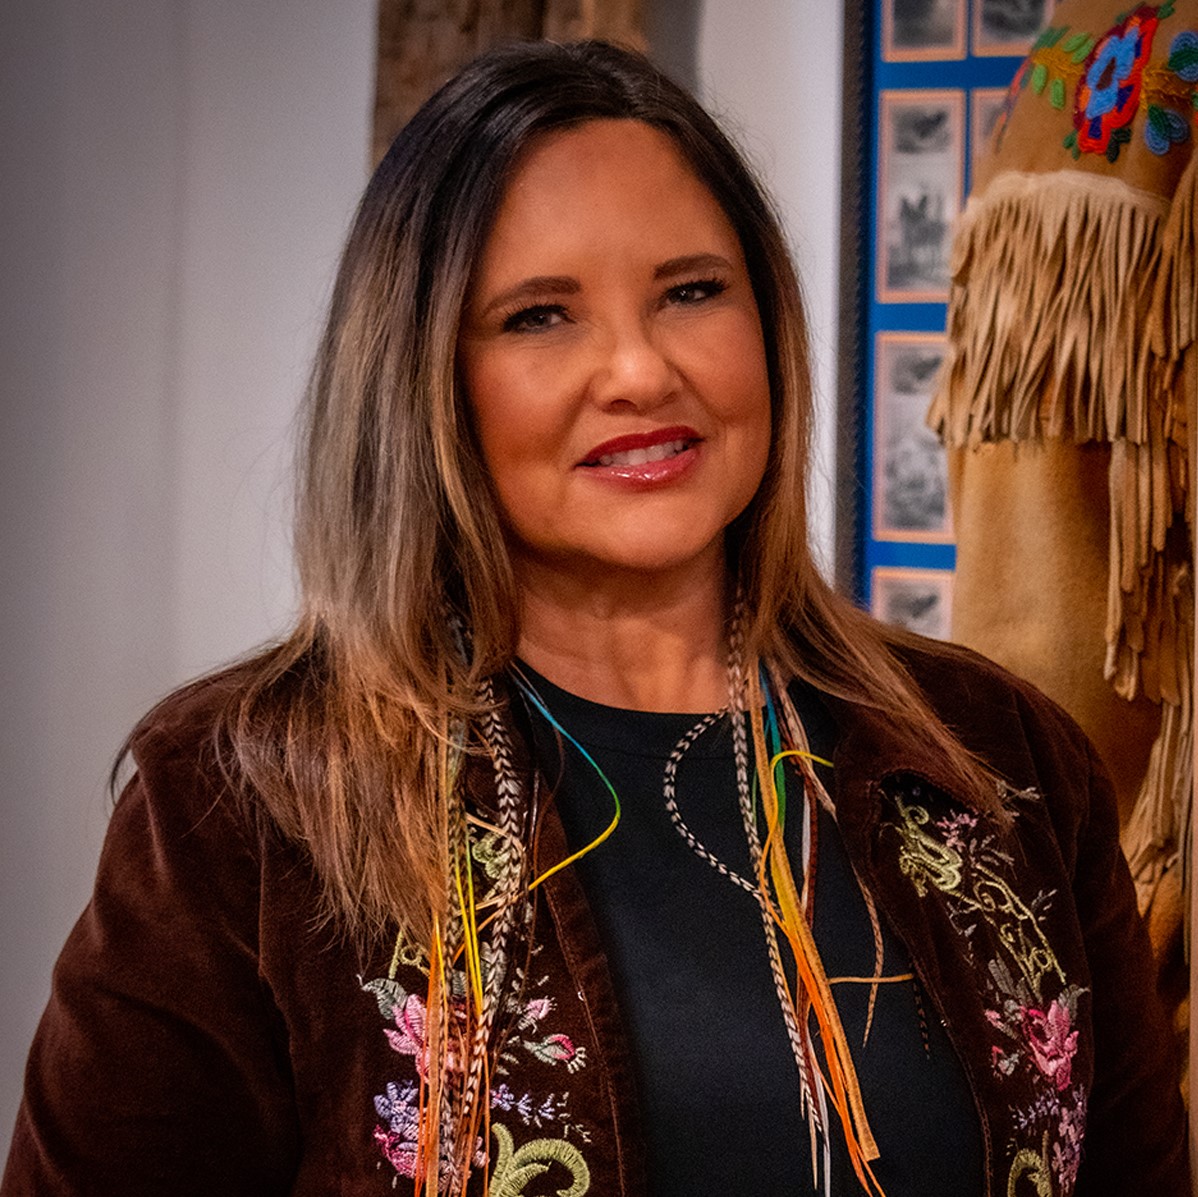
772 70
177 179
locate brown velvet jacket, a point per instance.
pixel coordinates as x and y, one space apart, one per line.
202 1038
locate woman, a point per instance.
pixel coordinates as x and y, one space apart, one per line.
485 879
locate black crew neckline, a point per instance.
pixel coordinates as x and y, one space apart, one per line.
622 729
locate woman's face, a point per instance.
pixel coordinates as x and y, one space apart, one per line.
612 355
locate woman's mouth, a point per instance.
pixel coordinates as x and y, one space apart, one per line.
644 460
636 457
642 448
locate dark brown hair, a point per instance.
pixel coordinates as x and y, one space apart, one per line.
398 536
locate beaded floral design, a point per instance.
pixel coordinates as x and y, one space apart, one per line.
1106 82
1030 1005
1108 94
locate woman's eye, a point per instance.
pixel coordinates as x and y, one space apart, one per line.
697 291
534 319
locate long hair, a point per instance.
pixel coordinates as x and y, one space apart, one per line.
408 596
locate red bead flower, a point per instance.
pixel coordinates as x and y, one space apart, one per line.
1109 91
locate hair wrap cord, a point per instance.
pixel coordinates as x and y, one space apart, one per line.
460 1027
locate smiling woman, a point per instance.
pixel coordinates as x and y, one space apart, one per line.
579 839
613 360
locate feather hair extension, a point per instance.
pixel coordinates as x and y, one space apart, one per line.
788 914
796 1029
786 911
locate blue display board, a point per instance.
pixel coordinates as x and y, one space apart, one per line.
938 73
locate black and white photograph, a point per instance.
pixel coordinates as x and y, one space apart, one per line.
910 476
985 107
917 30
1008 27
921 168
919 600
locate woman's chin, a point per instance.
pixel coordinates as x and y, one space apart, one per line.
633 561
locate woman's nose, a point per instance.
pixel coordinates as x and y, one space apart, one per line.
634 367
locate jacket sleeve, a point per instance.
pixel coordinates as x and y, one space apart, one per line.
160 1064
1136 1135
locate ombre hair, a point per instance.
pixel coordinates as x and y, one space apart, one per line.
409 601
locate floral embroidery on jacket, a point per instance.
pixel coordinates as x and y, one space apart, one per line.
1030 1005
513 1168
516 1166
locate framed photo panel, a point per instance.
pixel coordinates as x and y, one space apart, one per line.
921 110
921 180
919 600
1008 27
910 482
985 107
922 30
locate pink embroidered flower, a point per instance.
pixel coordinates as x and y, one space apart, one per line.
411 1019
410 1036
398 1139
399 1152
553 1049
955 828
1052 1041
1067 1151
556 1049
535 1010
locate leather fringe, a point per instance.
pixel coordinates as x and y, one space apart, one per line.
1074 316
1154 840
1174 325
1053 279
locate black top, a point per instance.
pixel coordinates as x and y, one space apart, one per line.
719 1086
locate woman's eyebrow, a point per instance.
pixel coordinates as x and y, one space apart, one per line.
691 262
541 285
534 288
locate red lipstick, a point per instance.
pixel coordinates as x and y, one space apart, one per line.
640 440
644 459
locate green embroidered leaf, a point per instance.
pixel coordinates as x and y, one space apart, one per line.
1039 77
1166 128
1049 36
1083 51
389 994
514 1168
1070 142
1183 58
1119 137
1073 43
1165 10
1056 93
